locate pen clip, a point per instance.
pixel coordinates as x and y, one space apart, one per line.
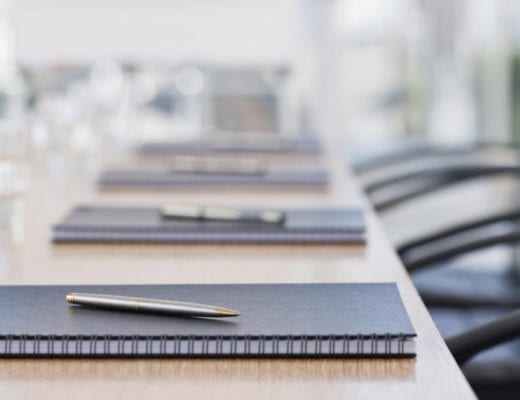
174 211
207 165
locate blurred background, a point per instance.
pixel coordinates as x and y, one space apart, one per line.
82 78
369 70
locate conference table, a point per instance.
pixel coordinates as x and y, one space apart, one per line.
27 257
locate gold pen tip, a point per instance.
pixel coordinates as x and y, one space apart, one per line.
227 312
70 297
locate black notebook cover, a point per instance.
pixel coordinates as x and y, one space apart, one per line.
278 320
164 177
132 224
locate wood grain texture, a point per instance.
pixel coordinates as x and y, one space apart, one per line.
28 257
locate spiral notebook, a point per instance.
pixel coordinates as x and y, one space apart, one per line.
278 320
169 178
148 225
296 146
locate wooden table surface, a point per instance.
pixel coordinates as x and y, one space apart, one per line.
28 257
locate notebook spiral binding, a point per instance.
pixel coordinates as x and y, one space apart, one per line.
201 346
227 236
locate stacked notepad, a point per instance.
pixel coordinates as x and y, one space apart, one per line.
273 146
149 225
170 178
284 320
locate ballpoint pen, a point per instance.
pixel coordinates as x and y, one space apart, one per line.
146 305
177 211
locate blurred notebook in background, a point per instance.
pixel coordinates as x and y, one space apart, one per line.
306 145
149 225
277 320
173 178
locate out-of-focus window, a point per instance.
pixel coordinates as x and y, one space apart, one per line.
375 70
443 69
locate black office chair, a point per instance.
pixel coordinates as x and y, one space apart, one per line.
488 352
456 303
441 287
461 299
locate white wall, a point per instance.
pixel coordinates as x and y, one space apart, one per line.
72 31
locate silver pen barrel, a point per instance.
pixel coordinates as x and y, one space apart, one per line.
221 214
145 305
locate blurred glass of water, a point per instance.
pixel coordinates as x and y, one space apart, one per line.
13 136
14 171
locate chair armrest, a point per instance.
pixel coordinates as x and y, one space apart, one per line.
465 227
434 179
445 254
428 173
469 343
420 149
434 298
432 185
